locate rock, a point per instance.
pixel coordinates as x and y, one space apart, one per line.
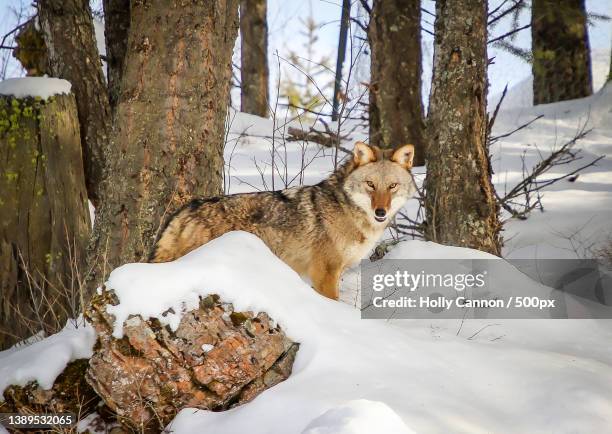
215 360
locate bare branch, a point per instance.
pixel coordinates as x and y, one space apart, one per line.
531 186
510 33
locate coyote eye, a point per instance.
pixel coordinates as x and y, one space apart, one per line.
392 186
371 185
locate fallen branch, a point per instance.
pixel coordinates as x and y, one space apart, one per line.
326 138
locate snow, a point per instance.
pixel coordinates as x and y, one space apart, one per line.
520 95
43 87
99 35
207 347
44 360
433 378
358 417
576 214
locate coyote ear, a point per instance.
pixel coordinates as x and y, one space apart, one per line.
363 154
403 156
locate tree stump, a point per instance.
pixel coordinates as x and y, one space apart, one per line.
44 216
215 360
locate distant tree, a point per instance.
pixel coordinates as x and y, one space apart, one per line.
560 46
168 137
396 107
308 77
254 57
610 73
460 203
116 26
68 31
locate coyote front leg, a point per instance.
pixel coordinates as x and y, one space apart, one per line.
325 276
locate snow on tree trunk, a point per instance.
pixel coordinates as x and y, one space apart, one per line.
254 57
168 137
396 107
116 27
460 200
44 217
561 64
73 55
215 360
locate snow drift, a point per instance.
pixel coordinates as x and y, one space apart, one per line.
434 383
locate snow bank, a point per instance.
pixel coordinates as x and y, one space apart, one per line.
44 360
358 417
166 290
435 379
520 95
576 217
43 87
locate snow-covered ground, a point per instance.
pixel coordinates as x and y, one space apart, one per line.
423 376
44 359
366 376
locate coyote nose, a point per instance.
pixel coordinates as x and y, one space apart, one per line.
380 212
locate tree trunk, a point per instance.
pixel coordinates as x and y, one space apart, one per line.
610 73
168 137
116 27
460 200
254 57
396 107
561 56
69 34
44 217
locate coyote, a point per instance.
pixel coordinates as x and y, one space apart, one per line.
318 230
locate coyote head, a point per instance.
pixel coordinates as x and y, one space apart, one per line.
380 181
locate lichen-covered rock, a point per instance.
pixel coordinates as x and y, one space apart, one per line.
216 359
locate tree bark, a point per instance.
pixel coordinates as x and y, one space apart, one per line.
69 34
610 73
116 27
561 64
460 201
254 57
396 107
44 217
168 137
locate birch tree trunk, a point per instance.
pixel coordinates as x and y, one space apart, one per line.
73 55
396 107
168 137
254 57
460 201
561 64
44 217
